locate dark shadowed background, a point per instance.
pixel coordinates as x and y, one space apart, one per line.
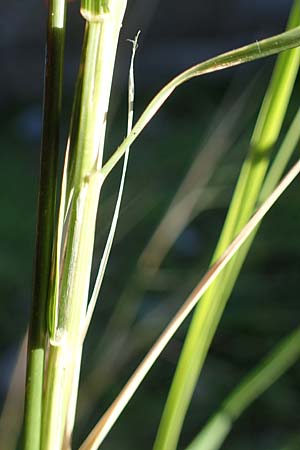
265 303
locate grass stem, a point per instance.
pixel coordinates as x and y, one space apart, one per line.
45 222
69 302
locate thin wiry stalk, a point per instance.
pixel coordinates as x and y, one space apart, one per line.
100 431
45 221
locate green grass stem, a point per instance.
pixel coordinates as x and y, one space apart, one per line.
112 231
80 199
45 221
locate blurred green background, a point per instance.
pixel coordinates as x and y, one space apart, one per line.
264 305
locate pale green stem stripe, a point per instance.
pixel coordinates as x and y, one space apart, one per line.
257 50
256 382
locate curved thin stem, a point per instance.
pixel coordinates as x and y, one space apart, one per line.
251 52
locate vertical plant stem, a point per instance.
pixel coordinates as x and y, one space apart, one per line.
83 185
45 222
113 227
210 310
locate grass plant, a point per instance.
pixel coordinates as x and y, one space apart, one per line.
62 306
246 195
